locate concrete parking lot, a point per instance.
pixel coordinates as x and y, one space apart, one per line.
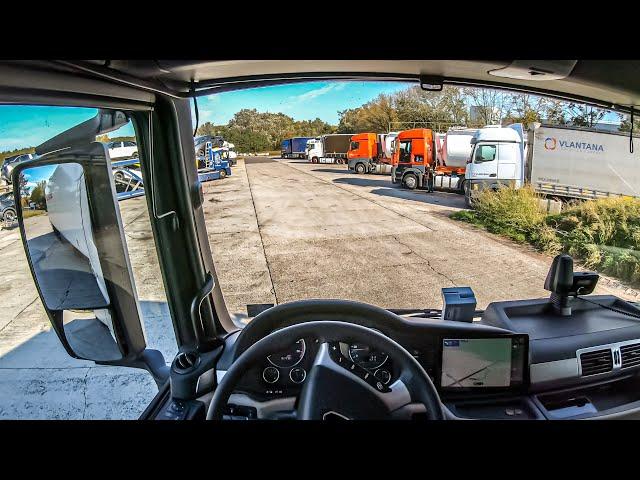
279 230
283 230
37 377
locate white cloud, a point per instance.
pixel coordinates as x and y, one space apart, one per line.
315 93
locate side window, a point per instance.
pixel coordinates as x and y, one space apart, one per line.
485 153
405 151
38 379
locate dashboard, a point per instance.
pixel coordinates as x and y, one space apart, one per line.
519 361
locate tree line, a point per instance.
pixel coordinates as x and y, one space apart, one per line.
471 107
253 131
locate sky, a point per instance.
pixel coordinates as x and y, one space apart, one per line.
302 101
28 126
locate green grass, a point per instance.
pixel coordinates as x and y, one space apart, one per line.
603 234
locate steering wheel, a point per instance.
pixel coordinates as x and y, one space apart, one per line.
335 388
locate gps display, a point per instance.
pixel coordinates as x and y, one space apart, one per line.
476 363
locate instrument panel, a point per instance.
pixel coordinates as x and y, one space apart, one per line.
284 373
457 364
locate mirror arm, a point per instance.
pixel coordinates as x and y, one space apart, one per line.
86 132
150 360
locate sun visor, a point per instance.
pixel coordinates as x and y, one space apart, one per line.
536 70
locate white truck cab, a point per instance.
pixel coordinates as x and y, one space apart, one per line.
314 148
497 158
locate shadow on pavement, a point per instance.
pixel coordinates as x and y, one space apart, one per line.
388 189
331 170
38 380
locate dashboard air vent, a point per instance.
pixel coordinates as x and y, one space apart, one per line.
630 355
597 361
186 361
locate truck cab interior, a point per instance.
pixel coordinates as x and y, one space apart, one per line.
571 355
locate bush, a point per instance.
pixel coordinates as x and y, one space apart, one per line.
603 234
515 213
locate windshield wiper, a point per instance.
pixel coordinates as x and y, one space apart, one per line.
425 313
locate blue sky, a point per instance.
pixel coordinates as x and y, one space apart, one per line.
302 101
28 126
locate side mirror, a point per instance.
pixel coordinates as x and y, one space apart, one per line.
73 238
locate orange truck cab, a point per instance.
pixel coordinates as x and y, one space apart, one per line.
363 145
367 153
415 150
416 165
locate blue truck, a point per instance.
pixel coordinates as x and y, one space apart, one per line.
216 165
295 147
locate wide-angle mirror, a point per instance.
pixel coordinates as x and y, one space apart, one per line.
72 235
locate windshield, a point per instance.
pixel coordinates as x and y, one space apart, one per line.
377 234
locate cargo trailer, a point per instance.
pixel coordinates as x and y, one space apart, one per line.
295 147
330 148
558 162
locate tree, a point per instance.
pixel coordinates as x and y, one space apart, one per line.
524 108
38 195
582 115
625 123
489 106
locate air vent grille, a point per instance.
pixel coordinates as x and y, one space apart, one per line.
186 361
597 361
630 355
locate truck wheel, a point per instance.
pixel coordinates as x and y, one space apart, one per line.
410 181
467 195
360 168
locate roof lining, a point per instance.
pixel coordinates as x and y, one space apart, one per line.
246 82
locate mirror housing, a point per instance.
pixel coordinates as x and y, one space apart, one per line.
77 254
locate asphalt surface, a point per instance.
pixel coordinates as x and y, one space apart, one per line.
279 230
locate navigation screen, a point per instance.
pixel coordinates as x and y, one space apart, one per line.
483 362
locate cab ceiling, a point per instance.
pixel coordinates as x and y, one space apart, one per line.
607 83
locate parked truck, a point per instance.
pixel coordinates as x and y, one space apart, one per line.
295 147
371 152
330 148
558 162
428 160
216 164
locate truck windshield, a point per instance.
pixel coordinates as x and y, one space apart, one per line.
299 230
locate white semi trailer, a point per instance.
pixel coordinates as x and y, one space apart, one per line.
561 162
